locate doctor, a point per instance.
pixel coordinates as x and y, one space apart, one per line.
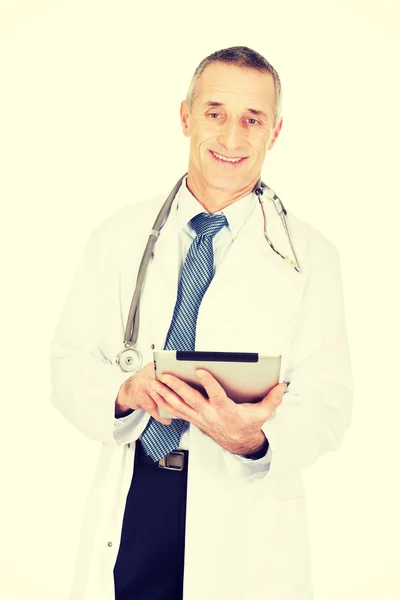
227 517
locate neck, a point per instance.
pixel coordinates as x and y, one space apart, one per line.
214 199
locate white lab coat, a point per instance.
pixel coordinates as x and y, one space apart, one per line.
246 531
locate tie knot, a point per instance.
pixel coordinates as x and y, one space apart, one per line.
209 225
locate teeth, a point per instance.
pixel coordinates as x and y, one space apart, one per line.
226 158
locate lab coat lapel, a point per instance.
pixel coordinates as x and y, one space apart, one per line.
254 293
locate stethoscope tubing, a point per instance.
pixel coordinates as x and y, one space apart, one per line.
282 212
132 324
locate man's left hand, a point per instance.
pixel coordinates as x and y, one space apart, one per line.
235 427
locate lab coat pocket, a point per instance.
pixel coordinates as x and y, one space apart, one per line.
288 487
280 542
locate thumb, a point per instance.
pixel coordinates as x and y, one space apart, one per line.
274 397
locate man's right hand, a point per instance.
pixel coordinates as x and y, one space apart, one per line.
134 394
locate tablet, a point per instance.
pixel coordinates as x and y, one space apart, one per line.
245 376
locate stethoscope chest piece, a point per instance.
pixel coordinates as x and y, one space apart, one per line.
129 359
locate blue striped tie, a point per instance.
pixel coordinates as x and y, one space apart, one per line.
197 273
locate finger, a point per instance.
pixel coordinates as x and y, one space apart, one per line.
167 399
185 396
152 409
166 404
215 391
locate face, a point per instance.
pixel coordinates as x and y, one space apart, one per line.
231 126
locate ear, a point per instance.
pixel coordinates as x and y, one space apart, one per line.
185 118
275 132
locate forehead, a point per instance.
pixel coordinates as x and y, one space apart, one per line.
233 85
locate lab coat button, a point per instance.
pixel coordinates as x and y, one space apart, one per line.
109 544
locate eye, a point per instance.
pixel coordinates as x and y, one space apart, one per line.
252 121
214 115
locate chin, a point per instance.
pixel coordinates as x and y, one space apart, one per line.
225 183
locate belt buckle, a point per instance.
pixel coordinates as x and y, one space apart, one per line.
173 461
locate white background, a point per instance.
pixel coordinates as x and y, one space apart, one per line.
89 118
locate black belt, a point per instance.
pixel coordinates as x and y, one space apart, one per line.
177 460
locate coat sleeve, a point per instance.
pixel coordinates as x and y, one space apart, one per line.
84 378
316 408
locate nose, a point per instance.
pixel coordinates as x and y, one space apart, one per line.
230 135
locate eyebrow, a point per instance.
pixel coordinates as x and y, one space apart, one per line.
253 111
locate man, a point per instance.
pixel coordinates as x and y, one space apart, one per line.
232 522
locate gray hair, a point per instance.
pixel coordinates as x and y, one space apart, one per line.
240 56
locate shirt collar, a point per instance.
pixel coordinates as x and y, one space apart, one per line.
236 213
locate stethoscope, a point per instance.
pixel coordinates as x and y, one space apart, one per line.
130 359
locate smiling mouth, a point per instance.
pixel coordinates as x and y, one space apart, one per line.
231 160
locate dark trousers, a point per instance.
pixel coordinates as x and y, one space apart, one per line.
150 560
